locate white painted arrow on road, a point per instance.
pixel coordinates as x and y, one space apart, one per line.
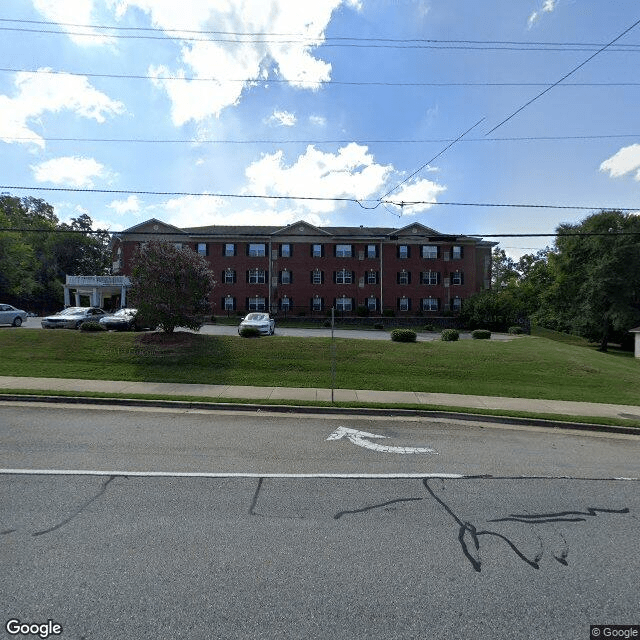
359 438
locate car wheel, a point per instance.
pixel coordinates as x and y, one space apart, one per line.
17 322
78 324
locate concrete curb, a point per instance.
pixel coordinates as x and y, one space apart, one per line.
252 407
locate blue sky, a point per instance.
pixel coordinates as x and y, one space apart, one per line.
336 99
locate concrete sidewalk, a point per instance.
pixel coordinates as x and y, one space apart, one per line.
255 394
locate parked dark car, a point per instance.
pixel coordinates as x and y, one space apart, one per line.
125 320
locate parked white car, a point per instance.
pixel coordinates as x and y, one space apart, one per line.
11 315
263 322
72 317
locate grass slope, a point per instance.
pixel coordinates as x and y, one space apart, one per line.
527 367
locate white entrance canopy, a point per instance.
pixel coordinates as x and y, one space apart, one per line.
97 288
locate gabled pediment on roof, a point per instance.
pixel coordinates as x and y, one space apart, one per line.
153 226
300 228
417 229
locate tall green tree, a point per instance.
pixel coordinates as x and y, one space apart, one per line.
596 286
170 286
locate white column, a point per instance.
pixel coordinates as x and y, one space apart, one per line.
67 297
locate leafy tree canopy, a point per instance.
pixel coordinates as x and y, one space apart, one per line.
171 286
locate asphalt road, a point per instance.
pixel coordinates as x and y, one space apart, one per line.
127 554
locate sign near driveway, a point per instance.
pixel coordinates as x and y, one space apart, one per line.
360 438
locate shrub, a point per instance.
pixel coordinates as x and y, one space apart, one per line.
430 327
481 334
327 324
249 332
91 325
378 325
450 335
388 313
362 311
403 335
515 331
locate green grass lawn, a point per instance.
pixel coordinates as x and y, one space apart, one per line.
526 367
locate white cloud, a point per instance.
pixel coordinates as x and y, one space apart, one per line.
349 173
69 170
625 161
318 121
547 7
39 94
72 12
282 119
237 66
130 205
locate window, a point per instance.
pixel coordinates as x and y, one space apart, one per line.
317 277
456 303
372 303
404 277
229 250
430 277
344 276
177 245
456 253
285 250
317 303
285 303
344 251
317 250
430 251
404 304
403 251
372 277
256 304
372 251
202 248
229 303
344 304
457 277
429 304
257 250
229 276
256 276
285 277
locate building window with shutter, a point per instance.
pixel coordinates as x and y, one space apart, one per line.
372 277
430 277
430 251
317 251
316 277
257 250
372 303
229 303
403 251
404 303
285 303
344 276
229 250
257 304
456 304
344 304
429 304
372 251
316 303
404 277
457 277
202 248
229 276
456 253
257 276
344 251
285 250
285 277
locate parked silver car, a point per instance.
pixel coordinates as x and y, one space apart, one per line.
72 317
263 322
126 320
11 315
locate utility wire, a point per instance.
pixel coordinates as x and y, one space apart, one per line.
360 202
582 64
357 83
197 141
315 42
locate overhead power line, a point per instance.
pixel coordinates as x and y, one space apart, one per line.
359 201
354 42
316 141
555 84
357 83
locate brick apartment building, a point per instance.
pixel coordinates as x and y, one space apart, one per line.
301 269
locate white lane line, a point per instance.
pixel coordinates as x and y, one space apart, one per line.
364 476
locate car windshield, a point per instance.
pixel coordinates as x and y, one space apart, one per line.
71 311
126 313
257 317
